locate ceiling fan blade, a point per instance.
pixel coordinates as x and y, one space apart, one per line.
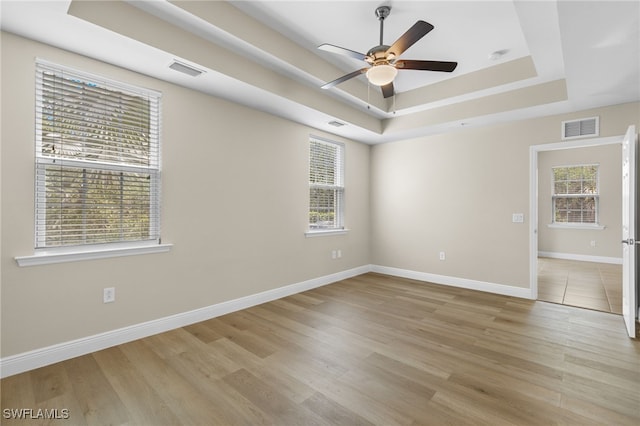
387 90
342 51
443 66
413 34
344 78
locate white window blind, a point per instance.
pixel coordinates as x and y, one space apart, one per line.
575 194
326 185
97 160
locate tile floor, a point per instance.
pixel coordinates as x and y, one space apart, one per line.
588 285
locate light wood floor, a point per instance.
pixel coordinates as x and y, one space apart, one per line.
588 285
368 350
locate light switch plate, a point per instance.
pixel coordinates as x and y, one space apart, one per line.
517 218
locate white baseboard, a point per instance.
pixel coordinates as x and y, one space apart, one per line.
506 290
581 257
26 361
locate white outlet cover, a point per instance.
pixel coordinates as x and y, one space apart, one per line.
109 295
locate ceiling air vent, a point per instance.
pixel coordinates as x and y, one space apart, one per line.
335 123
582 128
184 68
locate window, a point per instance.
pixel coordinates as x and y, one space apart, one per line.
575 194
97 160
326 185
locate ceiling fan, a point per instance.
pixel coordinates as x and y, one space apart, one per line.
383 59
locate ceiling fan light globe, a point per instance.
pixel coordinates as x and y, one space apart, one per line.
381 75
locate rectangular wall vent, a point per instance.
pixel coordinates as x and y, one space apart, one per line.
335 123
184 68
582 128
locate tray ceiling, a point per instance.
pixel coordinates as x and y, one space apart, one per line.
559 56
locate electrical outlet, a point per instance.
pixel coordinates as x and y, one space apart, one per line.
109 295
517 218
442 255
334 254
339 253
593 243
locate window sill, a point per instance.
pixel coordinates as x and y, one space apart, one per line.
45 257
325 232
576 226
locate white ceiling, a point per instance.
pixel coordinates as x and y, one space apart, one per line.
561 55
353 24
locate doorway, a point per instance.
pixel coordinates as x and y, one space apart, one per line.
572 273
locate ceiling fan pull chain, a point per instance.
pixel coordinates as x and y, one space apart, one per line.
368 94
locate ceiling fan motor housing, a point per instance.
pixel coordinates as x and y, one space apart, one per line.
378 54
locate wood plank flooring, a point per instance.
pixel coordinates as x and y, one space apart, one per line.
370 350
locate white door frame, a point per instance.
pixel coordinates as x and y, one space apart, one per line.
533 194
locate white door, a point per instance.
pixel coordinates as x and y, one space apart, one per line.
629 304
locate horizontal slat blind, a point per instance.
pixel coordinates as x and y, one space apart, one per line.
575 194
326 165
97 160
326 184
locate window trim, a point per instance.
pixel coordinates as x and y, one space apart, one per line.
325 232
63 253
51 255
339 210
575 225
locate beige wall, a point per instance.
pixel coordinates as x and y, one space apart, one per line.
234 198
578 241
456 193
234 206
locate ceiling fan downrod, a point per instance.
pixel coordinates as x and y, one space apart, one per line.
382 12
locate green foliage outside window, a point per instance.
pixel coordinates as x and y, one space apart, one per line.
325 185
97 165
575 194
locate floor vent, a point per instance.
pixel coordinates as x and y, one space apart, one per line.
582 128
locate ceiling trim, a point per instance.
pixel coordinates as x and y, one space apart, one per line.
525 97
467 86
134 23
263 54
